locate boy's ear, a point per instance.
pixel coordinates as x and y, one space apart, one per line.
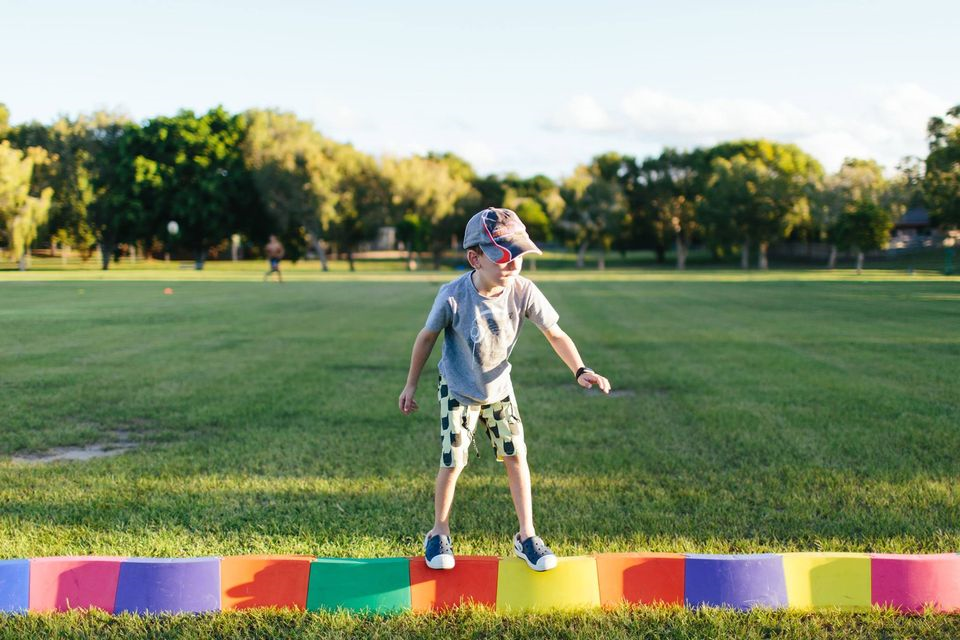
472 258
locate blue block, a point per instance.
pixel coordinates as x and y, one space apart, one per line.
169 585
14 586
737 581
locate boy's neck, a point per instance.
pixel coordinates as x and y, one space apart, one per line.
484 290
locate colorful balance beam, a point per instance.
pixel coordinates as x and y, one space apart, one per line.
640 578
370 585
573 584
472 581
806 581
910 583
14 586
828 581
74 582
736 581
168 585
248 582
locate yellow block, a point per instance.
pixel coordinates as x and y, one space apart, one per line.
827 581
572 584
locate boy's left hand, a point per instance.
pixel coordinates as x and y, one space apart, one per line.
589 378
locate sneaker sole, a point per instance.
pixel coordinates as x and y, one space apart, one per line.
549 564
441 561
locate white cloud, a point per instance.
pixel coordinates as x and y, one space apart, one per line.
890 124
334 116
653 112
583 113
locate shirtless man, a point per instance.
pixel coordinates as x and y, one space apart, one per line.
274 251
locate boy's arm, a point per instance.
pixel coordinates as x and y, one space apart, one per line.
567 351
422 347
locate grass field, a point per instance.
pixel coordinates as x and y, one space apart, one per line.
783 411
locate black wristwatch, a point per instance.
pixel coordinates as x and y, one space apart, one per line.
581 371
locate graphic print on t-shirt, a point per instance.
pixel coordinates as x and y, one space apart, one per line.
491 336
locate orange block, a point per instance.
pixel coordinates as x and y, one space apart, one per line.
645 578
473 579
264 581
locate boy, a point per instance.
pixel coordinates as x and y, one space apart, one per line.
480 314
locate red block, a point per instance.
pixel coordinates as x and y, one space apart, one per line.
264 581
909 582
473 579
74 582
644 578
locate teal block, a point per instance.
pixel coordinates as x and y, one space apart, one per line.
375 585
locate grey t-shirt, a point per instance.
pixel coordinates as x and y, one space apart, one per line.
480 333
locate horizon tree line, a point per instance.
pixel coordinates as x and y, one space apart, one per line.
102 181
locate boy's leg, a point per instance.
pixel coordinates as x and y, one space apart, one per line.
518 474
443 499
505 430
457 424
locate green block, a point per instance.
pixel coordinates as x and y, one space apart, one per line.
374 585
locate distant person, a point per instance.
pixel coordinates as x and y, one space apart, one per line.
274 251
480 314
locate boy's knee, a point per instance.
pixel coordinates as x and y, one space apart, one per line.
518 455
455 468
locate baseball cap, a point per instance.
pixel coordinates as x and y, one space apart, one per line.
499 234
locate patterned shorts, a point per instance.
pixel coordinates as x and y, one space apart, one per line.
458 423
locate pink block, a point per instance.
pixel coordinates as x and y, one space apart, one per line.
74 582
910 582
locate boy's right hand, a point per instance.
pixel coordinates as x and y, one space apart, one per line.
407 404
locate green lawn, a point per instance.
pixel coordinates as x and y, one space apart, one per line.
780 411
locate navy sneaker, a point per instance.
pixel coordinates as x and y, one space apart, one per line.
537 555
438 552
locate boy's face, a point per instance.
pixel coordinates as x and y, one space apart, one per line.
492 274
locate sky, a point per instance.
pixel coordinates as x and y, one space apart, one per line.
524 87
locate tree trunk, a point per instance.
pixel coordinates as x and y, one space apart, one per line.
65 254
582 254
602 261
745 255
106 249
133 254
832 260
322 254
22 262
681 254
762 262
411 261
661 252
199 258
353 267
437 255
859 262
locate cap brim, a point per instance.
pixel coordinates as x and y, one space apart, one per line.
510 248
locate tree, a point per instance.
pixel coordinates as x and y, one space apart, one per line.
21 212
941 184
297 178
855 183
594 212
669 188
865 227
363 202
126 187
425 193
204 183
781 181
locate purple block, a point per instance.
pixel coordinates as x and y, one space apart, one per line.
14 586
169 585
737 581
